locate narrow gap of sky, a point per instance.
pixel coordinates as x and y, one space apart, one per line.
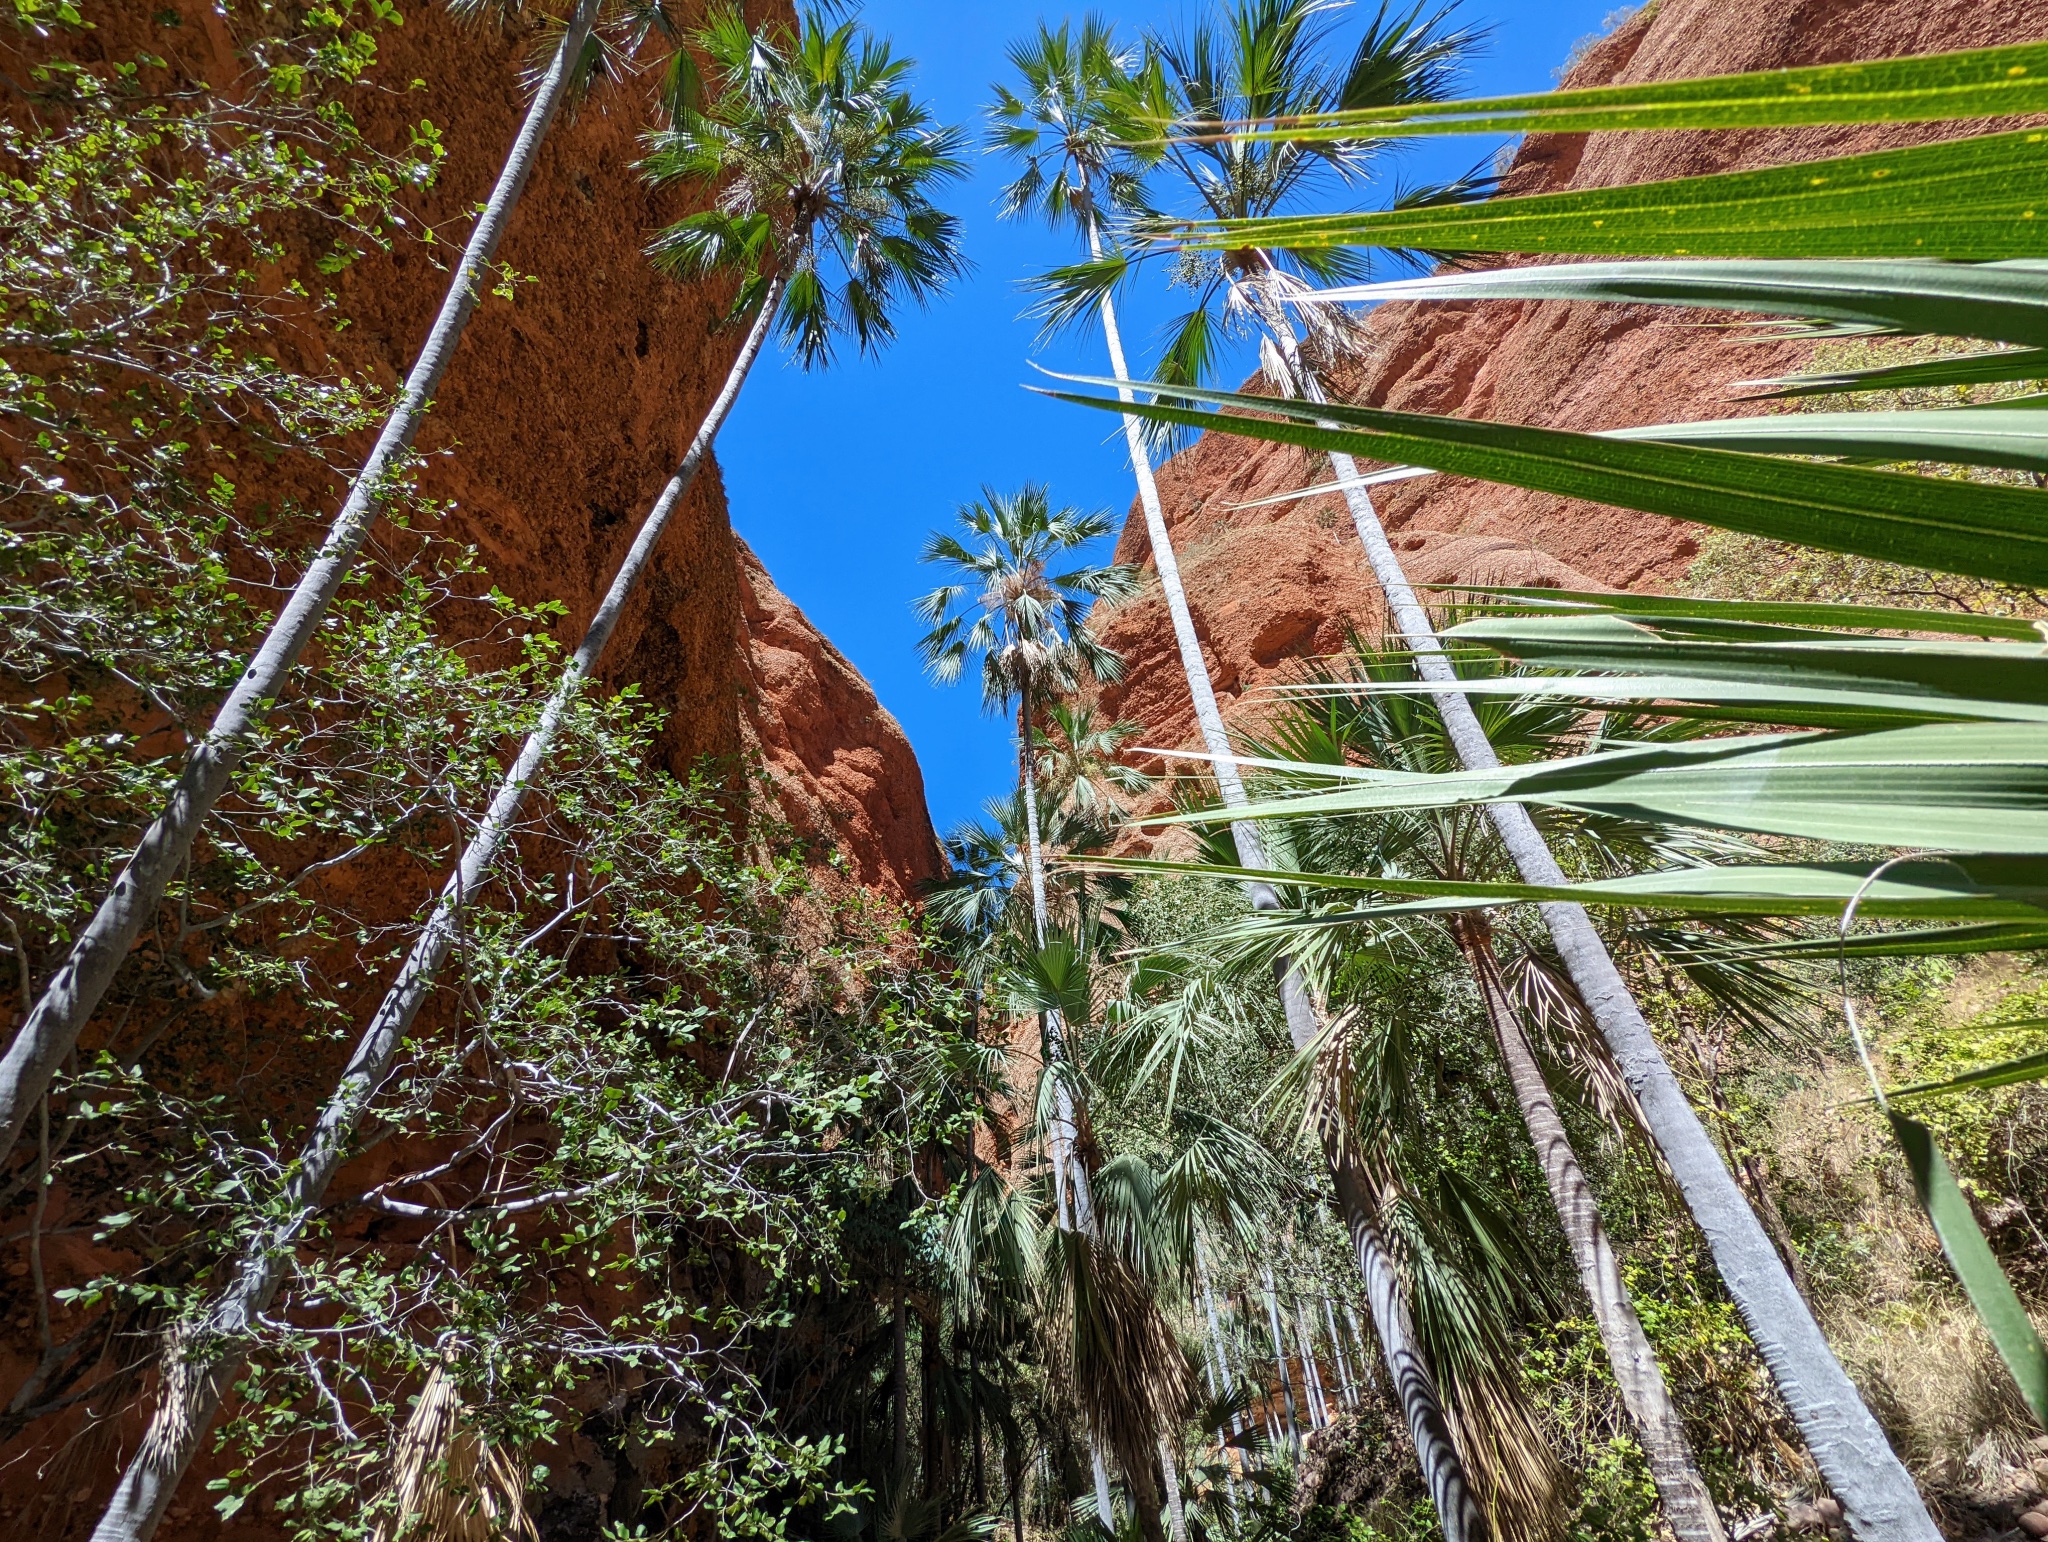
836 478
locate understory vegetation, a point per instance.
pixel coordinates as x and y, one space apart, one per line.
1566 1067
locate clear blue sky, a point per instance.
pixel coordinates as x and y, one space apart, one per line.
835 478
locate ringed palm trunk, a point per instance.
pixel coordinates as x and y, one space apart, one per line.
51 1029
1414 1383
1072 1200
1688 1505
1847 1444
199 1373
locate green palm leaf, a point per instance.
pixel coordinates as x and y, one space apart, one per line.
2003 302
1976 83
1967 786
1991 532
2012 437
1990 1292
1976 199
1795 613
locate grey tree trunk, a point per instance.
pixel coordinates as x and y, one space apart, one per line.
1688 1505
1442 1468
1345 1389
200 1373
1279 1339
1311 1373
1070 1179
1221 1380
1847 1444
1176 1512
47 1034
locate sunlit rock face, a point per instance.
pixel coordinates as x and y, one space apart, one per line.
1270 585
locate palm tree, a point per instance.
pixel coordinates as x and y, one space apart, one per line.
1348 722
1071 126
818 152
1029 626
1078 761
49 1032
1235 178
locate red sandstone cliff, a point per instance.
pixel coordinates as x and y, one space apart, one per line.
567 408
1271 585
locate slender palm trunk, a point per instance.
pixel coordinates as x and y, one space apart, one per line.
899 1382
1688 1505
1221 1381
1442 1469
1279 1339
1311 1373
199 1375
1345 1390
53 1024
1847 1444
1070 1179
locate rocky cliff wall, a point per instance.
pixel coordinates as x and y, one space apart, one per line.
1272 585
568 406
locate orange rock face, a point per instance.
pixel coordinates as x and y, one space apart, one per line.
1273 584
568 406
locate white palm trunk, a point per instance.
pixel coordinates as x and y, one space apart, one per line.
1386 1294
53 1024
1311 1373
1279 1338
199 1372
1848 1445
1688 1504
1073 1201
1345 1389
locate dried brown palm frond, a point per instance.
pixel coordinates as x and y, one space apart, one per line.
1123 1363
448 1482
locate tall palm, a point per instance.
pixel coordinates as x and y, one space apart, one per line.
823 163
1464 1277
49 1032
1028 624
1349 722
1070 126
1847 1443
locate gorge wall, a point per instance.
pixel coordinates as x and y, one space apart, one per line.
1269 586
568 406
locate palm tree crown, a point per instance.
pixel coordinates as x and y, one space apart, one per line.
1027 622
1263 60
1069 125
822 164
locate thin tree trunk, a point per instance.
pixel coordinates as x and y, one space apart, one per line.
1221 1382
1688 1505
1848 1445
1280 1358
1442 1469
899 1383
1169 1474
935 1485
199 1375
52 1026
1069 1177
1311 1373
1345 1388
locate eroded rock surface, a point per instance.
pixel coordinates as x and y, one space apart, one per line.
1273 584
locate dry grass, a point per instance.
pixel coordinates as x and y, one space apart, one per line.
1890 1305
